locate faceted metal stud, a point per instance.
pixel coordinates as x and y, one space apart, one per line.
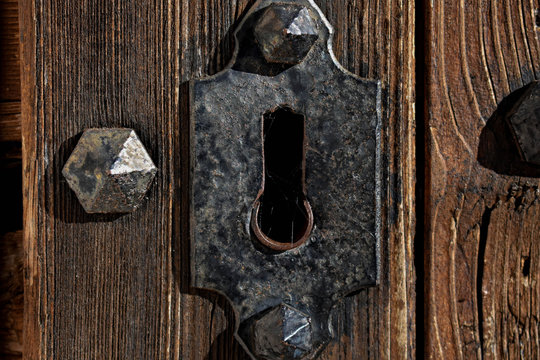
109 170
282 333
285 33
524 120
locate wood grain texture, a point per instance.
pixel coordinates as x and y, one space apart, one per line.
10 121
116 287
481 226
11 254
10 87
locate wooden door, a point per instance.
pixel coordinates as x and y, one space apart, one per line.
11 257
459 256
482 222
116 287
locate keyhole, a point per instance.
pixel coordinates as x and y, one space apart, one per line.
282 218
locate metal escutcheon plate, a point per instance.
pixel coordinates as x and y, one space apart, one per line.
283 299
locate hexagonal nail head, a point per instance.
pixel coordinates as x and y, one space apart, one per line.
282 333
109 170
524 119
285 33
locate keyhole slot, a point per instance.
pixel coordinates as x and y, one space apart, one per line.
282 218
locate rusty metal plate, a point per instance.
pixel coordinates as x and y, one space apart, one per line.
295 70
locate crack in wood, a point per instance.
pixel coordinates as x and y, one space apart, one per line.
484 230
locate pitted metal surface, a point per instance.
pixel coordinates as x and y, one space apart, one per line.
109 170
285 33
342 181
525 122
281 333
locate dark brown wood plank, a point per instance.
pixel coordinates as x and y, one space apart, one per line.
482 226
510 282
10 86
10 121
117 287
11 254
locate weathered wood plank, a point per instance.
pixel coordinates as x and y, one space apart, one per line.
481 227
10 121
510 282
10 87
11 254
117 287
11 295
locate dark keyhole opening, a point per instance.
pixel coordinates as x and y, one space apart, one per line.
283 217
